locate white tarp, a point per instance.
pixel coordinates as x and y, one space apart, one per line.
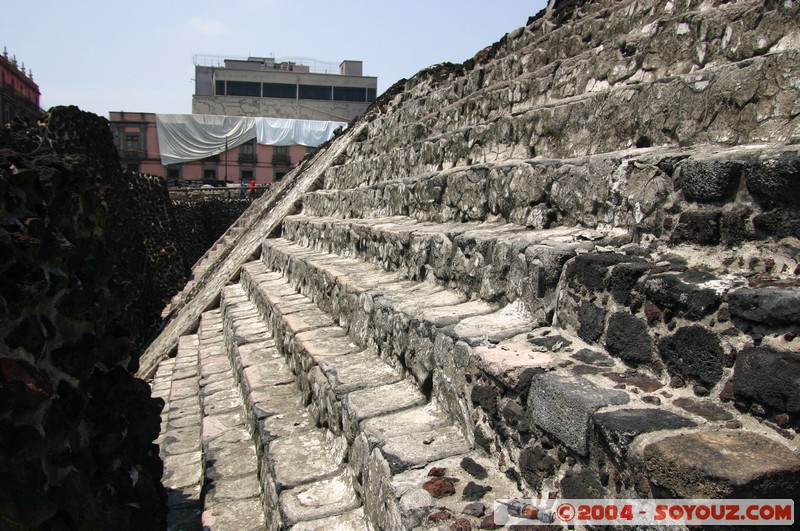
188 137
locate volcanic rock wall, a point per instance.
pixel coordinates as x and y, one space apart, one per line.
198 223
86 268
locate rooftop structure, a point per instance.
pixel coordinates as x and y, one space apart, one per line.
266 87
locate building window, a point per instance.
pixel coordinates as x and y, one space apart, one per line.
279 174
280 155
132 166
220 88
243 88
209 174
315 92
279 90
132 145
247 175
173 173
349 94
371 94
247 152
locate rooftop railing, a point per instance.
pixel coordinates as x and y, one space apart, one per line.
316 66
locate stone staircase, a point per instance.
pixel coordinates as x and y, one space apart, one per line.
323 411
566 268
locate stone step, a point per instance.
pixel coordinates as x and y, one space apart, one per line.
402 320
686 196
522 380
493 262
529 192
392 433
302 469
232 497
677 114
532 68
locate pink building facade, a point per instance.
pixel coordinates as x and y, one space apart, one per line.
136 138
254 87
19 94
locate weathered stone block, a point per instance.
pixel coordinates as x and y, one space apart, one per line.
684 294
693 353
590 270
562 406
618 428
724 464
769 377
320 499
305 457
512 364
770 306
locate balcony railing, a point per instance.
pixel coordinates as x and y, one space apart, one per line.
280 158
133 153
247 158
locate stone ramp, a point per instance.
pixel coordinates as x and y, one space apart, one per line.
209 459
177 382
216 269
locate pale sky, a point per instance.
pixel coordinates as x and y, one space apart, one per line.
138 55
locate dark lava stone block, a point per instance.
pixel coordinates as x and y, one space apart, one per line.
536 465
624 278
628 338
693 353
769 377
592 320
618 428
771 306
775 181
589 270
486 397
683 293
778 223
707 181
702 228
583 485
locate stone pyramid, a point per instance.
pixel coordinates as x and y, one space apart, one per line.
567 267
